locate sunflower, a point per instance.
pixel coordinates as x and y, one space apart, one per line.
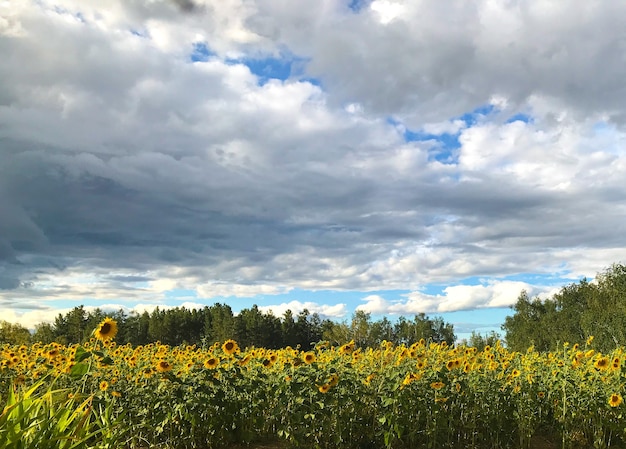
437 385
347 348
616 363
309 358
453 364
106 330
324 388
602 363
163 366
615 400
104 385
267 363
230 347
211 363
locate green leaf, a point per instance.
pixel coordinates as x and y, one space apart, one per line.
79 370
81 354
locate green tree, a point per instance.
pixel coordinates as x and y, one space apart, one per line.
44 333
480 341
14 334
576 312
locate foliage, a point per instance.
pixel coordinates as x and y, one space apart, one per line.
422 394
14 334
43 418
577 310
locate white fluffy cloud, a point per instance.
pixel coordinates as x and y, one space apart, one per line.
131 171
454 298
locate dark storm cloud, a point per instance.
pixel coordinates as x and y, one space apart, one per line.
186 5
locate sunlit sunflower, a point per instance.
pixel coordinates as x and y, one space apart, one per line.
324 388
309 358
106 330
437 385
267 363
602 363
163 366
230 347
334 380
104 385
615 400
616 363
211 363
347 348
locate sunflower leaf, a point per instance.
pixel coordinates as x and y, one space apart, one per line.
79 370
81 354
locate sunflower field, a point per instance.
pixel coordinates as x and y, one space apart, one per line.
425 395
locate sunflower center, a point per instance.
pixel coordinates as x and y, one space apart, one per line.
105 328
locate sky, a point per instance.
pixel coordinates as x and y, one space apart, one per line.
395 157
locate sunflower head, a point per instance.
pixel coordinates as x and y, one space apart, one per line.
163 366
230 347
211 363
615 400
324 388
309 358
602 363
106 330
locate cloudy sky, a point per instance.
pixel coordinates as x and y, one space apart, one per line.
389 156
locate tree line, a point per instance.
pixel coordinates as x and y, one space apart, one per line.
578 311
217 323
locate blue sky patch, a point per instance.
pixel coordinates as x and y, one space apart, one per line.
358 5
201 52
277 68
473 117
